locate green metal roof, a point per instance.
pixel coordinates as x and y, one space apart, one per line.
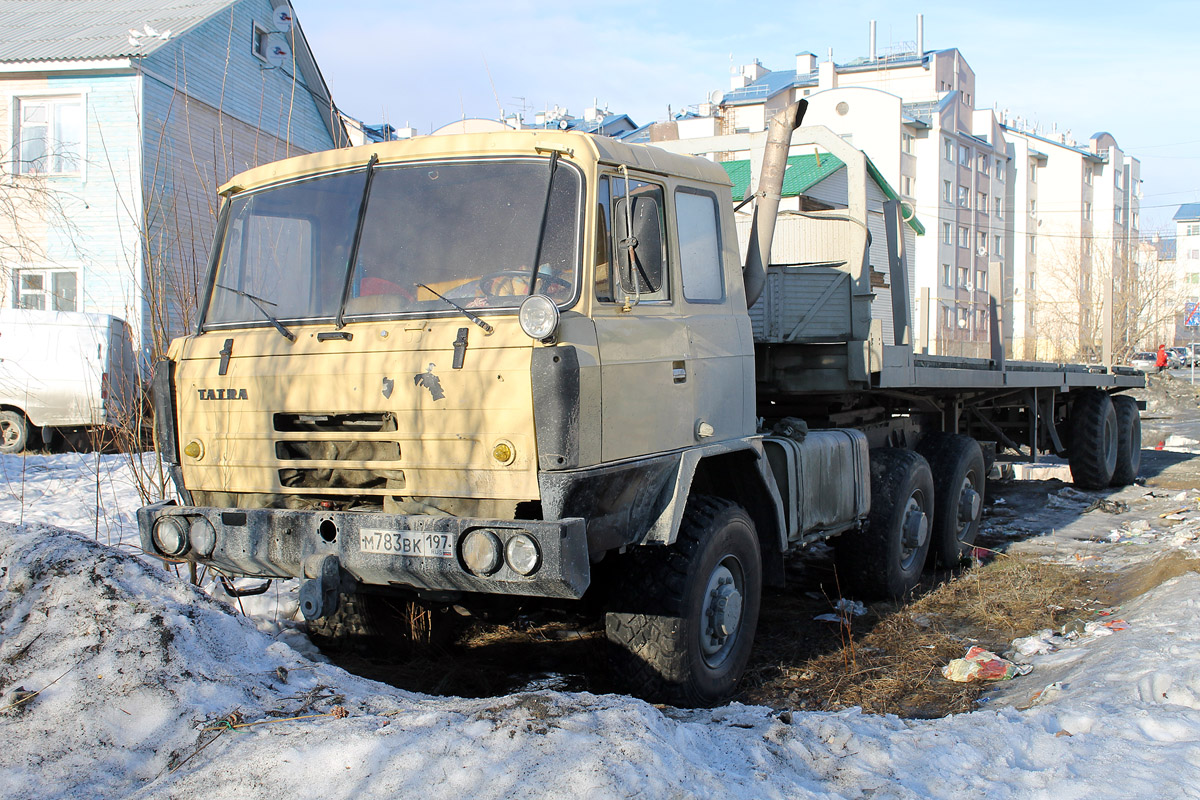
805 172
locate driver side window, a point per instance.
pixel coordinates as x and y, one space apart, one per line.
636 261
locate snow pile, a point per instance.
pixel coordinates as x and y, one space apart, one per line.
138 669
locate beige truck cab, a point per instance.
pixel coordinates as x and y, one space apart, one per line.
480 364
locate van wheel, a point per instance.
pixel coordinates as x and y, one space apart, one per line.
1129 440
1093 451
14 432
683 619
886 559
958 490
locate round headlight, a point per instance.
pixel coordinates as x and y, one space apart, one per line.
538 317
522 554
170 536
481 552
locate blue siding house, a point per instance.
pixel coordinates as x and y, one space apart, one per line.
118 120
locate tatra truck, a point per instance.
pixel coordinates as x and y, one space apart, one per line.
458 369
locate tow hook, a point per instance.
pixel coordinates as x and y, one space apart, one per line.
319 591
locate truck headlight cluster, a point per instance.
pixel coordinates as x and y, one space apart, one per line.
483 554
538 317
170 536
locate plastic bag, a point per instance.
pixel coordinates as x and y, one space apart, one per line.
983 665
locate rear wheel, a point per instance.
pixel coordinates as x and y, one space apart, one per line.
14 432
1129 440
887 558
958 490
683 619
1093 452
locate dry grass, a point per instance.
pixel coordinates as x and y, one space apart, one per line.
889 661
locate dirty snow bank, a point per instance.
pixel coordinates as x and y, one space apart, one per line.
138 668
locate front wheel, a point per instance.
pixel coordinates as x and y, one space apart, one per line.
14 432
682 623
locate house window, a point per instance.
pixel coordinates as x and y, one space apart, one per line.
46 290
982 205
49 135
997 249
999 170
1087 175
948 149
1119 215
947 233
1033 172
1032 281
983 163
1117 179
1032 243
259 43
947 275
964 155
964 278
980 280
1193 230
964 236
964 197
981 243
906 185
906 142
946 190
999 203
1087 210
1032 207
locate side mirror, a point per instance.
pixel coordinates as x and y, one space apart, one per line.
647 264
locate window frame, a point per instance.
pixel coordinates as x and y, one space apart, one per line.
47 291
614 177
259 33
17 101
721 275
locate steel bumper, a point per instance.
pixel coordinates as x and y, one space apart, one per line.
283 543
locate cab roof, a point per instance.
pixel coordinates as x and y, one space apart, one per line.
579 147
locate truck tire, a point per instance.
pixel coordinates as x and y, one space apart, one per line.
681 623
14 432
886 559
1093 452
959 484
1129 440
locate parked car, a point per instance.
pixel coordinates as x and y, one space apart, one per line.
1144 361
1181 354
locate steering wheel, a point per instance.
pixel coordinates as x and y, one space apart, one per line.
487 283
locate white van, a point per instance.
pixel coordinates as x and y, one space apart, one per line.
63 370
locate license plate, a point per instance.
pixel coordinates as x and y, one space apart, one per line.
425 544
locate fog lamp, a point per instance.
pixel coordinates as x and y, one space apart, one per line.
170 536
538 317
481 552
522 554
504 452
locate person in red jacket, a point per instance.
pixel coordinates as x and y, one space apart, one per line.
1161 361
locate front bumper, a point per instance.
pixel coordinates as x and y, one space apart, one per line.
285 543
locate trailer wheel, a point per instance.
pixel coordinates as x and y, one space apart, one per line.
886 559
1129 440
14 432
682 621
1093 452
958 491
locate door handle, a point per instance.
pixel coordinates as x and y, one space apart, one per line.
678 372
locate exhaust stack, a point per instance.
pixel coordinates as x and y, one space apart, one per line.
766 206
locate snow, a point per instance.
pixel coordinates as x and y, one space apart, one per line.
137 669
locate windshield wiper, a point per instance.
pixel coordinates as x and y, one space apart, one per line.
358 230
258 303
473 317
537 252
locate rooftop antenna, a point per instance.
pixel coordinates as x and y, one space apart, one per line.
487 69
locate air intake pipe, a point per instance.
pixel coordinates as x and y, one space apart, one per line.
766 205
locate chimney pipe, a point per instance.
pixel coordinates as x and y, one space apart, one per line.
770 183
920 35
872 40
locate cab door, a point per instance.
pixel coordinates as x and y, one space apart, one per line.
647 401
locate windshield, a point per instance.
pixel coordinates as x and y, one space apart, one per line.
466 230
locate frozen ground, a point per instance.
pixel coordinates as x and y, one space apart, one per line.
141 676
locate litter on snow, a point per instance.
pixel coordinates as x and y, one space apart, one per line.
983 665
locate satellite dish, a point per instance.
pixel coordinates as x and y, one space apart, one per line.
716 96
282 18
278 52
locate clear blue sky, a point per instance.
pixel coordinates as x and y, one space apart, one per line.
1128 68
